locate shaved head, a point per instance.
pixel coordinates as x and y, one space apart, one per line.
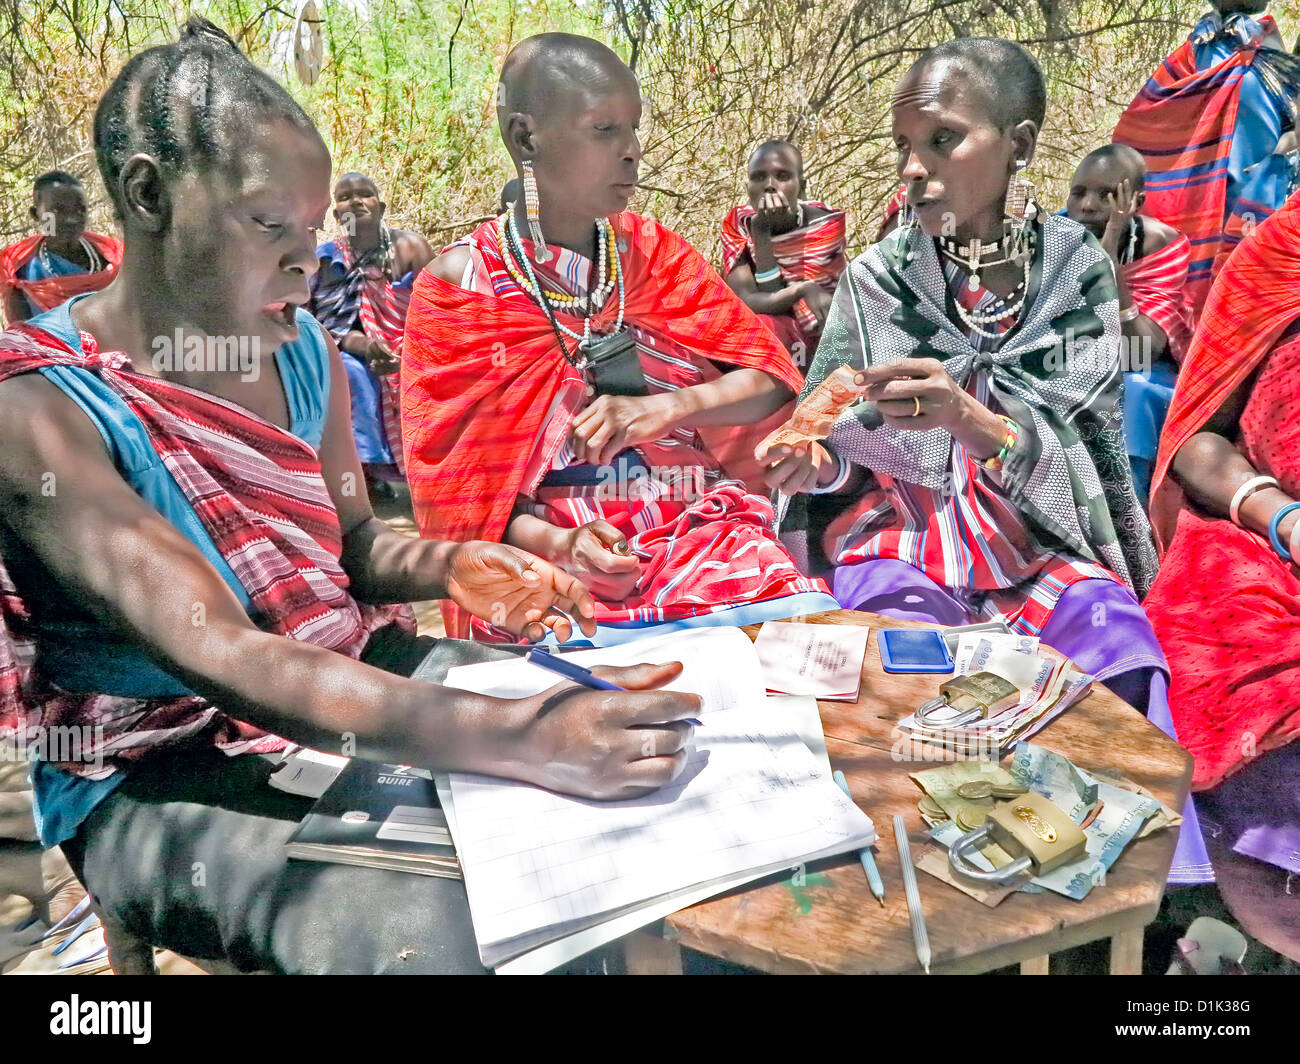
553 73
356 175
1127 160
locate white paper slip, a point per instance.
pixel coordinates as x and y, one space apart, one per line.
821 660
751 800
307 772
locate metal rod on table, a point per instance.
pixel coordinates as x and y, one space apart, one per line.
913 893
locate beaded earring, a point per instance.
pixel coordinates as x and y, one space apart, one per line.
533 209
1021 208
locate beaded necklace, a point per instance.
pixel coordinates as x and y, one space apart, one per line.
92 256
607 250
1001 310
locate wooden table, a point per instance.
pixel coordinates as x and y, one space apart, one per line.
830 923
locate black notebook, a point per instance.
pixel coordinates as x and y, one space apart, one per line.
379 816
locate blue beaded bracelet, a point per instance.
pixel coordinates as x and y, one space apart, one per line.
1273 524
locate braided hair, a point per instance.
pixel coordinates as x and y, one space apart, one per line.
185 104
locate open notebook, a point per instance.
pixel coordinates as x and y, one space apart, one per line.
539 866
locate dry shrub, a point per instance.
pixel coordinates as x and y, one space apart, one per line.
406 94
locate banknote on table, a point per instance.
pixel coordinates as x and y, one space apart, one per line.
1069 787
1166 818
1048 682
1123 815
813 418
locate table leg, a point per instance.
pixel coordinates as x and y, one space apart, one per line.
1126 952
651 955
1035 965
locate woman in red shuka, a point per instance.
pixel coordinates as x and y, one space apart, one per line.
573 371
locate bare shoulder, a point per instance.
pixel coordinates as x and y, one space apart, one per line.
450 266
413 250
1157 235
48 414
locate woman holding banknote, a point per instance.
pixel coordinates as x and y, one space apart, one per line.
987 476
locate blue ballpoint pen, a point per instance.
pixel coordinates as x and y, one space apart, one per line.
868 861
543 657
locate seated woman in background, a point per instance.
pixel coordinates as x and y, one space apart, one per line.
996 485
1150 259
1226 604
783 254
360 294
563 361
208 580
63 259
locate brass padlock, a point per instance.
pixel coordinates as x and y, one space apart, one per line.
978 696
1038 835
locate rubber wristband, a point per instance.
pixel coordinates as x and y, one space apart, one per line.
774 274
1276 520
1244 492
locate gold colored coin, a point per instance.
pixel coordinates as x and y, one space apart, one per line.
931 808
976 789
970 817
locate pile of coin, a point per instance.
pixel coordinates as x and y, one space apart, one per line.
977 797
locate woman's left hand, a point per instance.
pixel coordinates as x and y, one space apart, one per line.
615 422
917 393
518 591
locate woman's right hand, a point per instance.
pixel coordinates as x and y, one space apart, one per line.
597 554
794 470
380 358
607 744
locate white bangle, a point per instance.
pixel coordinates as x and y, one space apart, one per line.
841 478
1128 314
1244 492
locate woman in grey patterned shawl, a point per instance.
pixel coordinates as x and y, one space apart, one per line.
985 474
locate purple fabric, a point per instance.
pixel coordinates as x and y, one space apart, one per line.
1098 624
1252 824
1257 810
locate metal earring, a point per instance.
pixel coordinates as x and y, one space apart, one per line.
1020 205
532 207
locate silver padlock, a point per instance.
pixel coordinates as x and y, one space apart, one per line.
977 696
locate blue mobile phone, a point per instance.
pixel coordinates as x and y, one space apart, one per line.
914 650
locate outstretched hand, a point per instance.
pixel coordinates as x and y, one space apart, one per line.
517 591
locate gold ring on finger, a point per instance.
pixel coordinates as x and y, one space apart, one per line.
917 400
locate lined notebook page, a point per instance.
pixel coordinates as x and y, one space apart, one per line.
540 865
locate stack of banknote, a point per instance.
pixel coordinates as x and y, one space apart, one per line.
1112 814
1049 684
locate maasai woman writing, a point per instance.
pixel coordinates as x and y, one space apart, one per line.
1226 604
63 259
190 570
360 294
562 361
783 254
1150 259
1208 123
986 334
